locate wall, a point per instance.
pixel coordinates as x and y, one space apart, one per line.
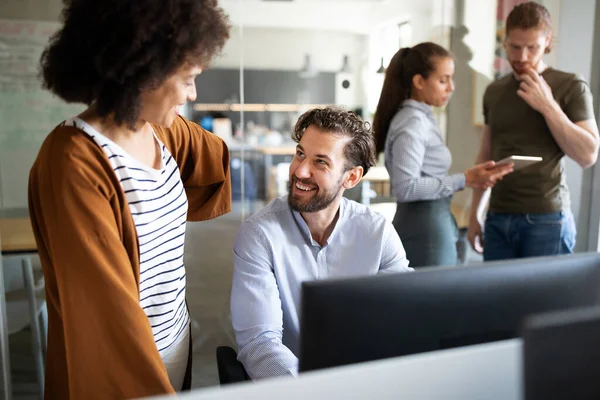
336 15
15 163
41 10
593 175
301 14
472 42
574 54
284 49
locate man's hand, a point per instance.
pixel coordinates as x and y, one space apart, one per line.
578 140
475 235
535 91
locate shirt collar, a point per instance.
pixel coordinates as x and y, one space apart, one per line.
419 105
301 223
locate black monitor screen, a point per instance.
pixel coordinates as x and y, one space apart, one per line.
561 355
361 319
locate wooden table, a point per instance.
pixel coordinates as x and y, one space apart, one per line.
17 236
17 240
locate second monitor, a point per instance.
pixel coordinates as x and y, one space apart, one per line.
362 319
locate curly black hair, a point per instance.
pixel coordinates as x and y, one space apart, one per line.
359 151
109 51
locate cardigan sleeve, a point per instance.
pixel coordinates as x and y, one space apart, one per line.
109 347
203 160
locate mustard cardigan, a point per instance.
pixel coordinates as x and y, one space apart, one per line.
100 344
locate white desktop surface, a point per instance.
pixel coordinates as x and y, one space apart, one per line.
488 371
377 173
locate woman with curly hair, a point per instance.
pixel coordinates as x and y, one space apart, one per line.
111 190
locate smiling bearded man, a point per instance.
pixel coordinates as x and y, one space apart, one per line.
312 233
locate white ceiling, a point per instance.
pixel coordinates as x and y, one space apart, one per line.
317 1
358 16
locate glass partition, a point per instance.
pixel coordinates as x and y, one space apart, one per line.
282 59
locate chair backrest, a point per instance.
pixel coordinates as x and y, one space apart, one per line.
230 369
236 180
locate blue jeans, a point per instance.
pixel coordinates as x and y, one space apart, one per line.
528 235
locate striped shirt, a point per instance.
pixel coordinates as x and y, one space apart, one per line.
417 158
158 204
274 252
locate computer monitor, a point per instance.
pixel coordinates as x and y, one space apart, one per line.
561 355
360 319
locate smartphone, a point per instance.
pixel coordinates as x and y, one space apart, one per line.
519 161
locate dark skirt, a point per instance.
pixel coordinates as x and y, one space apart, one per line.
428 232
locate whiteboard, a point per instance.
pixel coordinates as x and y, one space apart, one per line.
27 112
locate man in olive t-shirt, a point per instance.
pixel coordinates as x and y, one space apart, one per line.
535 111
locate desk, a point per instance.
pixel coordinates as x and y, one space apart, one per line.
461 214
278 151
17 240
485 371
17 236
266 155
376 174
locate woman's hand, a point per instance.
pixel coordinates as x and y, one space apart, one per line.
485 175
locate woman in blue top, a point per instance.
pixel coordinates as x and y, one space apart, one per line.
416 156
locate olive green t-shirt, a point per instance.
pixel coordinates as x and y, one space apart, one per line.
517 129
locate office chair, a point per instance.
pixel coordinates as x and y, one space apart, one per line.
230 369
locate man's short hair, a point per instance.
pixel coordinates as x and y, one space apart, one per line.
530 15
359 151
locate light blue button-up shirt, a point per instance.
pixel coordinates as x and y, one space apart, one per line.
274 253
416 156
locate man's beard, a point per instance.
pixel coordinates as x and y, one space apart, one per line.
320 200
